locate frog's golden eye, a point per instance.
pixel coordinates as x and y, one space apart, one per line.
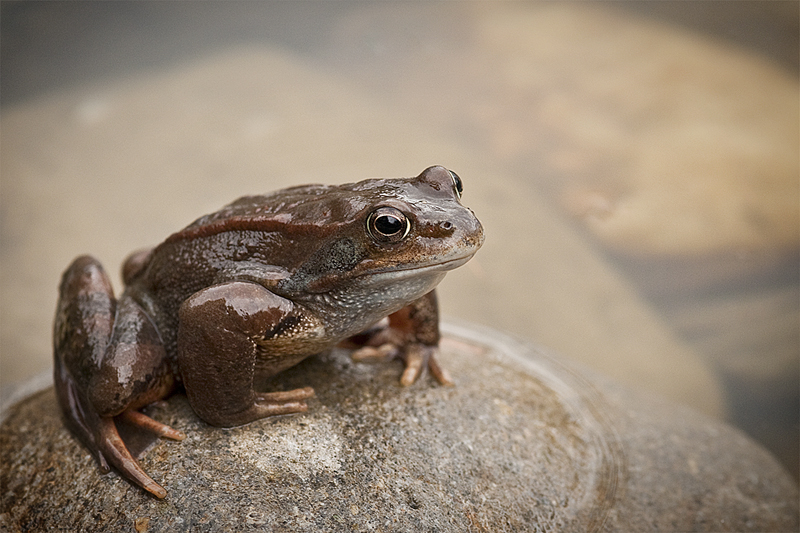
388 225
459 186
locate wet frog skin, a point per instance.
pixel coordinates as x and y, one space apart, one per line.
252 290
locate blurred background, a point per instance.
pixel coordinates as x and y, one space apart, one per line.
635 164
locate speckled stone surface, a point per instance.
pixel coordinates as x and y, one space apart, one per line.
522 443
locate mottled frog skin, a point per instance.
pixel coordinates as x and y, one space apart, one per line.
252 290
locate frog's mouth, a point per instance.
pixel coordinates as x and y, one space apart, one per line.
395 272
392 277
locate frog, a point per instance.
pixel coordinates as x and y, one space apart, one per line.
249 291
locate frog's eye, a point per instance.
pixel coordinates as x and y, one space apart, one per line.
388 225
457 183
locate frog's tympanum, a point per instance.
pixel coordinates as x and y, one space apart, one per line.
252 290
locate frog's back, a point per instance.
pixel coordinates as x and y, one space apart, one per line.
266 234
316 209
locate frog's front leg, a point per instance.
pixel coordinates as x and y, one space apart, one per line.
412 334
221 334
109 361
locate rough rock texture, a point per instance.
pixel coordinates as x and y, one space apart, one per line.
522 443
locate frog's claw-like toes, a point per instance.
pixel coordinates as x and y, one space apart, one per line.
283 403
414 360
441 375
111 446
417 357
100 435
288 396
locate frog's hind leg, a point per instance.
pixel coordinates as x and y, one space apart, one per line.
81 334
83 331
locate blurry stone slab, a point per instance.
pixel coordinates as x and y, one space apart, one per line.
671 142
677 152
522 443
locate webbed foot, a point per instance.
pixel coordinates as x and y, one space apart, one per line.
416 357
412 335
100 435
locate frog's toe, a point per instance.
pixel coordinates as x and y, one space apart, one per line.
441 375
146 423
384 352
287 396
99 433
417 357
283 403
415 361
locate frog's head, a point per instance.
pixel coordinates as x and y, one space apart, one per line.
403 234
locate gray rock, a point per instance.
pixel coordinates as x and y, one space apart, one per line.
522 443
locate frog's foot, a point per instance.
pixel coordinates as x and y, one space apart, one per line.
100 435
256 405
283 403
111 449
416 357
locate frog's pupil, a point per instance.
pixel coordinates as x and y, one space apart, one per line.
388 225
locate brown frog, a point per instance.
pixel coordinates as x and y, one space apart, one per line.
251 290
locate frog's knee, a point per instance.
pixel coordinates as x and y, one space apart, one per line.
84 318
134 368
135 264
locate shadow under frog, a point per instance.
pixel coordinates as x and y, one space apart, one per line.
252 290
